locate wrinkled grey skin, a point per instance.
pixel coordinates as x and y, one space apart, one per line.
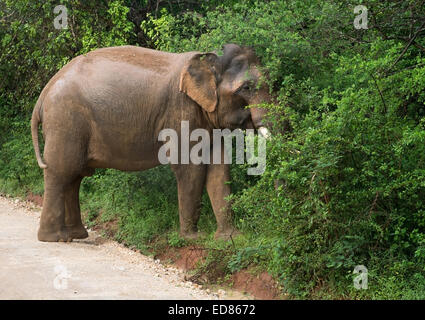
105 109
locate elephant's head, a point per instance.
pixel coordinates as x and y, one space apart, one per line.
224 85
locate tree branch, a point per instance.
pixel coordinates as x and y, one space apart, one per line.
421 28
380 93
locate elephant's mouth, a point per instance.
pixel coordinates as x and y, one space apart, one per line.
262 130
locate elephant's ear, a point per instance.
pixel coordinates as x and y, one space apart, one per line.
199 81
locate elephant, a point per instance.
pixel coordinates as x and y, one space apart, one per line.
106 108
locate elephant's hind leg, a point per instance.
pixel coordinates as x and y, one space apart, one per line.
65 158
52 220
73 222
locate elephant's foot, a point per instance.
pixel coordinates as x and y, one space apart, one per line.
54 236
226 234
192 235
77 232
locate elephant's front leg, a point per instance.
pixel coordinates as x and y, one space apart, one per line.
190 185
218 190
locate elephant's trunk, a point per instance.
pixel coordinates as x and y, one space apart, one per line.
258 114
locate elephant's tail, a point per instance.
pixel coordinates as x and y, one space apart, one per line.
35 120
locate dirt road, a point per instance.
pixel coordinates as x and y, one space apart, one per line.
93 268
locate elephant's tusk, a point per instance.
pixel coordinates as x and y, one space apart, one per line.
264 132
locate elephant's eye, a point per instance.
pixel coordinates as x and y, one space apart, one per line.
246 87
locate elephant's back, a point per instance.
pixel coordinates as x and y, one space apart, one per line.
128 63
115 74
120 87
116 88
136 57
